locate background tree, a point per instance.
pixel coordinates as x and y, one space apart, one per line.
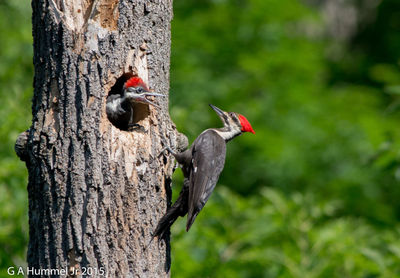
97 192
315 193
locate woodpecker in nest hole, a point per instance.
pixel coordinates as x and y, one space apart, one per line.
120 106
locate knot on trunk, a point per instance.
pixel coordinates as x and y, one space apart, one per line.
21 145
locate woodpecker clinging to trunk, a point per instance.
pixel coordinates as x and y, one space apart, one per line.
119 106
202 164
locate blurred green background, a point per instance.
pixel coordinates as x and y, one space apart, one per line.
315 193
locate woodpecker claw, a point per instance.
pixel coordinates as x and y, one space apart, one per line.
166 149
136 127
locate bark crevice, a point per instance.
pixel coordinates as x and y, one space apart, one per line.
97 192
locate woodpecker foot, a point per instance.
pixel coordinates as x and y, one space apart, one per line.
166 149
136 127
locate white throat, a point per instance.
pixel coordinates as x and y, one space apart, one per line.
114 105
228 135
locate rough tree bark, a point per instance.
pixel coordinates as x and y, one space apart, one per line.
97 192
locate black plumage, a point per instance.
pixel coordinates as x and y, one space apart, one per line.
119 111
208 159
202 165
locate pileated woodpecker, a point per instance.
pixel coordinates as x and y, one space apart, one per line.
119 106
202 164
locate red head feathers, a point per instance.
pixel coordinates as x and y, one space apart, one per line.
246 126
135 82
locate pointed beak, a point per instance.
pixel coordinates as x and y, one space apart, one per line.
144 97
154 95
217 110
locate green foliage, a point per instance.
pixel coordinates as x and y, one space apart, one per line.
16 72
274 235
318 183
313 194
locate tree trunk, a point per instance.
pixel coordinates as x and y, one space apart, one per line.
96 192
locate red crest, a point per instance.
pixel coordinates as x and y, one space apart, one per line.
135 82
246 126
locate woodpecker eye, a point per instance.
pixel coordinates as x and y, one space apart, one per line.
136 90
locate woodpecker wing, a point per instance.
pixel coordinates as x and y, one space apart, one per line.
208 159
119 111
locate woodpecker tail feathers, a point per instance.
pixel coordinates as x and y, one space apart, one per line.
166 222
179 208
190 219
